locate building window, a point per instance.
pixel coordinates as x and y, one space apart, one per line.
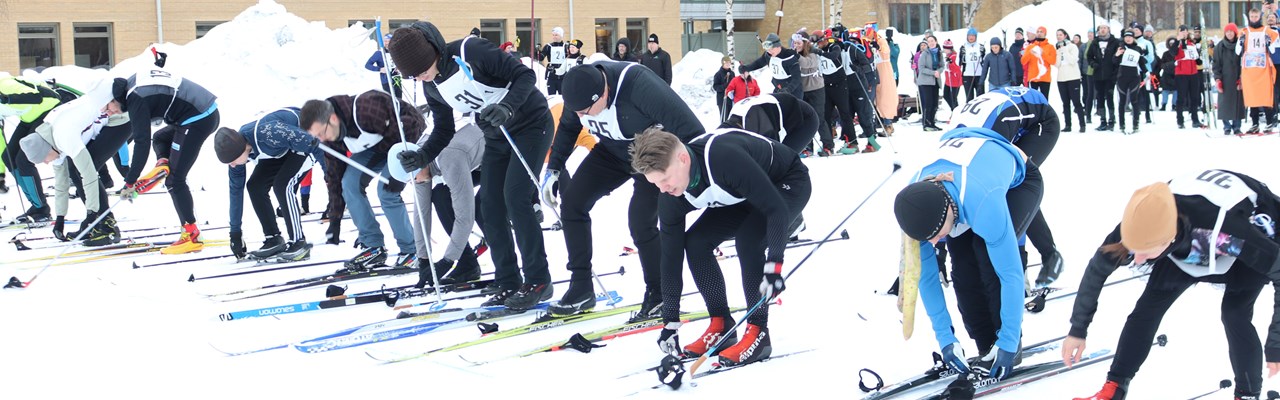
1161 14
394 24
1238 12
37 45
203 28
1195 10
638 33
952 17
717 25
912 19
606 34
526 39
93 44
495 30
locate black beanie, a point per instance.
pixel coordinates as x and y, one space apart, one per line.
921 209
229 145
119 90
475 32
582 87
653 38
411 52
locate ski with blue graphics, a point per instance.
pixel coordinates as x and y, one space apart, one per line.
938 373
297 284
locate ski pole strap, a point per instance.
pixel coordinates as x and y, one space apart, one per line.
862 380
580 343
487 328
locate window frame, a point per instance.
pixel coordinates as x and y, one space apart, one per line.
55 35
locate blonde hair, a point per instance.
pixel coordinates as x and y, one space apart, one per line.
652 150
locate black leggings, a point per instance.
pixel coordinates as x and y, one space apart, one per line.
1086 94
976 285
1043 87
1188 97
972 87
1069 91
860 106
1103 91
1129 94
282 176
1166 284
747 226
101 149
817 99
25 173
506 188
604 170
950 94
837 108
181 145
929 104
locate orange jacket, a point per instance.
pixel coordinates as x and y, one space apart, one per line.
1038 67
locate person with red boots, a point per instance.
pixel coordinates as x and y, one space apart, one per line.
1168 229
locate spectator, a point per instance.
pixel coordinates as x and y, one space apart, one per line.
657 59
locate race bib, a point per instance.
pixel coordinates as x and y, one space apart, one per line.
1130 58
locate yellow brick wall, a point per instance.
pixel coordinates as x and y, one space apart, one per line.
134 21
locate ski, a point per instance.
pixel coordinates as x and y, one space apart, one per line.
137 266
1037 304
386 296
717 368
193 278
1223 384
844 235
938 372
418 292
382 334
312 282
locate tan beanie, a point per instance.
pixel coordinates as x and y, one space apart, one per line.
1151 218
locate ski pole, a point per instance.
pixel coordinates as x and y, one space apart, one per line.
419 205
715 348
352 163
17 284
1225 383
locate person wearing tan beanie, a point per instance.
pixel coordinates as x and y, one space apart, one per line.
1165 229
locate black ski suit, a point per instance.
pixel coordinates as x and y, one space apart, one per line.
777 116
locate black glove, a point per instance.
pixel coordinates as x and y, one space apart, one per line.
412 160
496 114
237 245
394 186
669 339
60 225
4 98
772 284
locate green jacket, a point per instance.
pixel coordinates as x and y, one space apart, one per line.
25 99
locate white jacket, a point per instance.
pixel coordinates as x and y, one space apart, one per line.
1068 63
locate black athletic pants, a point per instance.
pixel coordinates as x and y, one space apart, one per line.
282 176
837 108
746 225
100 149
1167 282
603 170
553 83
860 106
1104 92
506 189
950 94
1043 87
929 103
442 201
181 145
972 87
976 285
1069 91
1188 97
1086 94
1130 95
817 99
24 172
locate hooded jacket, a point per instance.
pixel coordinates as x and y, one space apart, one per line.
1101 56
1000 69
1037 59
630 55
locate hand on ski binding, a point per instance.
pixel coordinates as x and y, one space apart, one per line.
59 226
669 339
953 355
1003 364
237 246
772 285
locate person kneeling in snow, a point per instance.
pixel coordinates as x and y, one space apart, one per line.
752 188
1167 229
283 153
980 194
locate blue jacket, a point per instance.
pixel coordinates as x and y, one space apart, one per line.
375 64
271 136
994 168
1001 69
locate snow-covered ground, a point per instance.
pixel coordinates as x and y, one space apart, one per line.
104 329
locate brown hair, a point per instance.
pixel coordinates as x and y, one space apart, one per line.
313 112
652 150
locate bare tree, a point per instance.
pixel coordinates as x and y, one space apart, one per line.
728 26
935 17
971 11
839 12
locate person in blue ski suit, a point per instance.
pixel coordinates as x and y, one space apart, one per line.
980 194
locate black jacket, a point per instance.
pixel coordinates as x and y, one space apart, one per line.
659 62
644 101
630 55
721 82
1104 65
798 118
1258 253
490 67
790 65
1134 74
836 78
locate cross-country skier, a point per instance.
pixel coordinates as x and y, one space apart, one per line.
1131 72
30 102
980 194
971 54
191 113
79 132
282 153
472 76
777 116
456 205
784 63
1257 73
557 54
615 101
1101 60
1184 72
1213 226
751 188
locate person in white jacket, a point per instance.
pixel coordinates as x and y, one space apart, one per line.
1069 80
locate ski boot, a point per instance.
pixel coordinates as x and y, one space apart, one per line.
1112 390
754 346
529 295
105 233
1253 130
299 250
368 259
1050 268
463 271
718 327
406 261
500 296
35 215
850 148
650 308
578 299
271 247
188 243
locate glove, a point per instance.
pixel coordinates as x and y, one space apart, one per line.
772 284
669 339
1218 82
551 186
60 225
496 114
412 160
953 355
128 192
1003 364
237 245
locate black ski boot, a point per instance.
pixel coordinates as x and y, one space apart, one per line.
35 215
500 296
105 233
579 298
650 308
529 295
463 271
270 248
370 258
299 250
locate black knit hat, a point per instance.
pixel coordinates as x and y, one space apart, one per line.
229 145
921 209
412 52
582 87
653 38
119 90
